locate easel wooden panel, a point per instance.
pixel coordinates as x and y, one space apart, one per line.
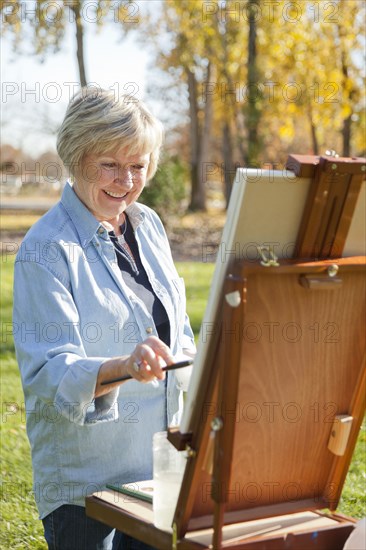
299 366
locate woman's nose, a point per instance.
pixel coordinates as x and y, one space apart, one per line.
124 176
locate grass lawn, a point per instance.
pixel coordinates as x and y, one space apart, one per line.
17 221
20 528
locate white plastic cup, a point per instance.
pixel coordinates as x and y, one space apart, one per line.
168 473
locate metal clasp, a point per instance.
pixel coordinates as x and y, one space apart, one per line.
333 270
331 153
269 258
190 453
217 424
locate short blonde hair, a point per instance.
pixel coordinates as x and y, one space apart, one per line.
96 122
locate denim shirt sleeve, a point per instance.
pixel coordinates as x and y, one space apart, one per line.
50 352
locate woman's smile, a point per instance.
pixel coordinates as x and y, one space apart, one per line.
115 195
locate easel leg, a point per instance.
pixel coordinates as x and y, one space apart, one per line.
218 524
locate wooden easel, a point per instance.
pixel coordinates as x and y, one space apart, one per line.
336 184
283 397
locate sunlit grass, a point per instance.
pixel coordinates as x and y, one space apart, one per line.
20 527
197 277
17 221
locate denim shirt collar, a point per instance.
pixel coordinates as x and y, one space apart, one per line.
85 223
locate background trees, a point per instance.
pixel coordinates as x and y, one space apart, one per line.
248 81
45 22
265 78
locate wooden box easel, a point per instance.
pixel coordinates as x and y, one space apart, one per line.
282 393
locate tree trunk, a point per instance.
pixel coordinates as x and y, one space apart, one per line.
205 159
230 114
314 137
347 122
75 7
227 155
194 141
346 137
254 95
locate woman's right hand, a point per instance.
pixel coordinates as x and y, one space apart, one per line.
144 365
146 362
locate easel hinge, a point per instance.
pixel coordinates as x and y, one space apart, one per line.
268 257
190 453
217 424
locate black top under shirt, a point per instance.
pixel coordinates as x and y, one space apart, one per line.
135 277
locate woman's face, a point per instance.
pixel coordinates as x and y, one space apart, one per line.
108 183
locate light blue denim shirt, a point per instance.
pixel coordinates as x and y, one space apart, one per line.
72 311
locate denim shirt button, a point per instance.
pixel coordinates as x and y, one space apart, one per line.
149 330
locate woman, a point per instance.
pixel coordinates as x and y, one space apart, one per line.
97 297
